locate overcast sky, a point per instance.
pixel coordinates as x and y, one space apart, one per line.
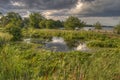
105 11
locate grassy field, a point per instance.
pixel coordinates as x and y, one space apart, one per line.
22 61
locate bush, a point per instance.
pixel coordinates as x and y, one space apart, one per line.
117 29
97 25
15 31
73 22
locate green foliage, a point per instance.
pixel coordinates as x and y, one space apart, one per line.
15 31
97 25
22 62
66 34
104 65
13 24
4 38
50 24
42 24
59 24
12 17
73 22
35 19
26 22
3 21
103 44
117 29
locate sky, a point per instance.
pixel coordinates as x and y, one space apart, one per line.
107 12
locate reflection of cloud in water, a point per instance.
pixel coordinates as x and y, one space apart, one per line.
82 47
58 45
58 40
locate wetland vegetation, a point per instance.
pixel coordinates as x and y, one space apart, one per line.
20 60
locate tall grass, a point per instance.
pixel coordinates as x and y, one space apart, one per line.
22 61
32 64
4 37
104 44
67 34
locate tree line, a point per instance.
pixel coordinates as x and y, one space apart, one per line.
36 20
14 23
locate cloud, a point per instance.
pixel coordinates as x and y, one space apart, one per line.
102 8
97 8
60 9
113 21
74 7
17 3
42 4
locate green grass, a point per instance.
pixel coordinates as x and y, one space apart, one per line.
22 61
17 63
4 38
67 34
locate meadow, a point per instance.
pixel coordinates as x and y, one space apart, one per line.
24 61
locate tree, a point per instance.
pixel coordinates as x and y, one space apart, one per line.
42 24
73 22
0 14
117 28
3 21
26 22
97 25
35 19
11 17
50 24
59 24
14 17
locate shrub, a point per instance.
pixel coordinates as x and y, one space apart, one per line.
15 31
4 38
117 29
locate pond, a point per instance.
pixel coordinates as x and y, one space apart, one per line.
58 44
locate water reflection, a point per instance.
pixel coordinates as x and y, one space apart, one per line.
57 44
82 47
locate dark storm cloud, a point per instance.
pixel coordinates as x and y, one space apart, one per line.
66 7
52 4
40 4
4 1
96 8
102 8
87 0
